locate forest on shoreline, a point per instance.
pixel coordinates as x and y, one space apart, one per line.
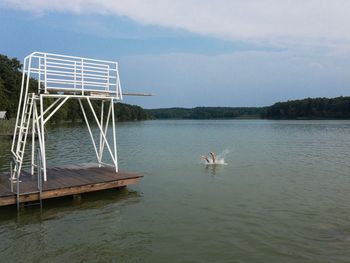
309 108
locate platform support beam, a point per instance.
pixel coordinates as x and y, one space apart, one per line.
103 129
102 124
33 139
42 130
114 138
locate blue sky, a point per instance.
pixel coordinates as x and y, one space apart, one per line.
195 53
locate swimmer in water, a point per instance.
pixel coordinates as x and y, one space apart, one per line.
213 158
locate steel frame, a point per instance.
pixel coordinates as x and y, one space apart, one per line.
40 119
62 78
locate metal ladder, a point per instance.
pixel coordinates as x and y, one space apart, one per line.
20 137
39 189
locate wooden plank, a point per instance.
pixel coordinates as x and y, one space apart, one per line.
66 180
77 190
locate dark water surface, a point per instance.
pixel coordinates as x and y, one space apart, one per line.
284 196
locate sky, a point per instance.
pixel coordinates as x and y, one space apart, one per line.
192 53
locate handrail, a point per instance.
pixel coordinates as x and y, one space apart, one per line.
37 54
57 72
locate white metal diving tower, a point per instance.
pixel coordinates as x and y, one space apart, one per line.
59 79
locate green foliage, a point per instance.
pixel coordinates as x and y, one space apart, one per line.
10 81
318 108
10 87
125 112
7 127
207 113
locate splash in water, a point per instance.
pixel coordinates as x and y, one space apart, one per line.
215 159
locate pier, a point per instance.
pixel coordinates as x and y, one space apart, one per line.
64 181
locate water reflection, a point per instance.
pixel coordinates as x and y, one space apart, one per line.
95 230
57 207
212 169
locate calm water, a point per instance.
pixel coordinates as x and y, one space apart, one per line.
283 197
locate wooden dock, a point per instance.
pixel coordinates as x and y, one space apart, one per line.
65 180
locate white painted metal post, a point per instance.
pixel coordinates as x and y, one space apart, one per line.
114 138
108 88
75 75
43 151
45 75
118 85
82 76
106 129
39 75
33 136
102 124
89 129
38 127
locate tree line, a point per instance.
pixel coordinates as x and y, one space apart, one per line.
316 108
309 108
207 113
10 87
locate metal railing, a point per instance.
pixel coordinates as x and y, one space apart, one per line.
69 74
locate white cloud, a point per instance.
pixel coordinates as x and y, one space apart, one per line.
257 20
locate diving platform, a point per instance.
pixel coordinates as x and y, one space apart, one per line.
62 181
48 82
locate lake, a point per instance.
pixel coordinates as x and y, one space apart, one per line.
284 196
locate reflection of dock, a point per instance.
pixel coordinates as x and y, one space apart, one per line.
64 181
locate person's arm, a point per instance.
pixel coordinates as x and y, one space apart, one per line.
205 158
213 156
